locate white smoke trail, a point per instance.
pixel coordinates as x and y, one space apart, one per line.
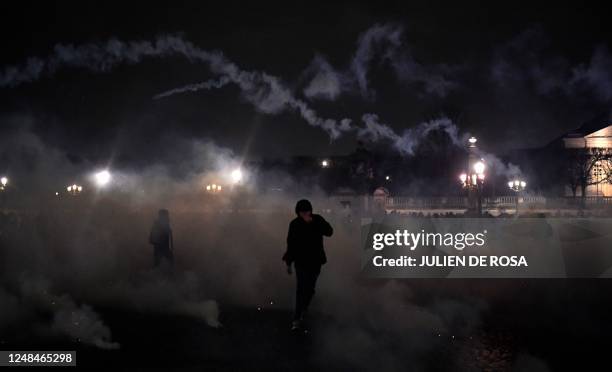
264 91
206 85
367 43
407 142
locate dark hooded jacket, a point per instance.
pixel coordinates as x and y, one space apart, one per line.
305 241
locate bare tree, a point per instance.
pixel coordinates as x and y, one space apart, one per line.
587 167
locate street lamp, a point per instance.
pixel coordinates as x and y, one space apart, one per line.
325 163
102 178
473 180
236 175
517 186
213 188
74 189
3 183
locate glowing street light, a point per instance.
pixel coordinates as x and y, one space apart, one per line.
74 189
102 178
213 188
473 180
479 168
387 178
236 175
517 186
325 163
3 183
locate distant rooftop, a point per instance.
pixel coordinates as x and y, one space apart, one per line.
599 122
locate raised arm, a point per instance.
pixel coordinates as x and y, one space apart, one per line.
324 226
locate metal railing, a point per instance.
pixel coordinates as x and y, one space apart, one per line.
509 201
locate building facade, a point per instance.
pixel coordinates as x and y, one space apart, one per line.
594 137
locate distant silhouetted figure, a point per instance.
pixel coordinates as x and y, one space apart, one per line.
305 249
161 238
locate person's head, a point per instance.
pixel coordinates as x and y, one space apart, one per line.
163 215
303 209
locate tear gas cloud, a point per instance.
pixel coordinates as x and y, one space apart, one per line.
72 255
75 255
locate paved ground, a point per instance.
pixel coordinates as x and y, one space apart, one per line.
514 334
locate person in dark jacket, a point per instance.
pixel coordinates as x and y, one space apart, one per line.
305 250
161 239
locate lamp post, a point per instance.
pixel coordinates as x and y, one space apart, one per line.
517 186
473 182
74 189
473 179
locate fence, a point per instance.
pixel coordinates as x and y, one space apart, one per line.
461 202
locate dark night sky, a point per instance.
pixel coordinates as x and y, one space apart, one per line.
551 82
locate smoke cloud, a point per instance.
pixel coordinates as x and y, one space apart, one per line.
410 138
326 83
387 37
527 61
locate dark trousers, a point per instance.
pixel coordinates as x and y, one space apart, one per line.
160 253
306 281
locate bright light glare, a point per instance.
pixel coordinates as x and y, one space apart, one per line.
463 177
236 175
3 181
103 178
479 167
523 184
325 164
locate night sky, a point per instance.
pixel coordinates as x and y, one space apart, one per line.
516 76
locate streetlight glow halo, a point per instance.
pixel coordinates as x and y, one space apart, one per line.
236 175
102 177
479 167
